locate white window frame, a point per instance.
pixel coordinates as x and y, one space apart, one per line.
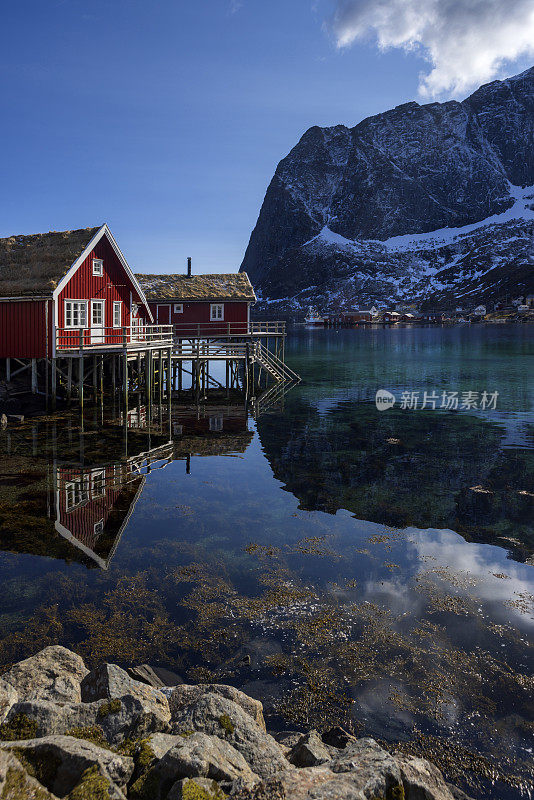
117 304
178 308
76 492
98 528
98 267
216 424
79 304
98 483
214 313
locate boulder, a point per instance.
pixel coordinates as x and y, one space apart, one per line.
16 783
61 762
337 737
201 788
161 743
215 715
309 751
8 697
422 780
111 682
185 694
54 673
154 676
117 720
195 756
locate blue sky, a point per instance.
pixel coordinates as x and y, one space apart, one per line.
167 119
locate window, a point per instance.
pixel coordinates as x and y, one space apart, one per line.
76 492
217 311
99 528
75 313
178 308
216 423
98 483
98 267
117 314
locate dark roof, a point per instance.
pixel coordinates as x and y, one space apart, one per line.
34 264
233 286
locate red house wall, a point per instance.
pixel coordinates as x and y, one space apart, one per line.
196 312
113 285
81 520
22 328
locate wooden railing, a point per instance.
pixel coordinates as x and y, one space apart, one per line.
81 339
197 330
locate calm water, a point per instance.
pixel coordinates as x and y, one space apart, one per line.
341 563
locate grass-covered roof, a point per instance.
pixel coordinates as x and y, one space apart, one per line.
233 286
34 264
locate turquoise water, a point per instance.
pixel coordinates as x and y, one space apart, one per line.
341 563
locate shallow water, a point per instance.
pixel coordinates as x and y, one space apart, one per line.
342 563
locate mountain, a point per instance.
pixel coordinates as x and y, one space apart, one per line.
431 202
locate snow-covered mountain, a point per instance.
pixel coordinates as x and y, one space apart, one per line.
432 203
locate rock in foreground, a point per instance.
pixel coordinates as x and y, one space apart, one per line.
69 733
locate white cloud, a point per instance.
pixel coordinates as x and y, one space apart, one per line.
467 41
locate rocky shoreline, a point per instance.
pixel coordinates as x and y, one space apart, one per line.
67 732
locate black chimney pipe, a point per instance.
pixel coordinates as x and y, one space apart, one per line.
189 267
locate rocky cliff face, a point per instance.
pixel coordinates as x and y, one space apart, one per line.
433 201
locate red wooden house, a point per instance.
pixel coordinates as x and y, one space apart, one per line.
200 305
60 291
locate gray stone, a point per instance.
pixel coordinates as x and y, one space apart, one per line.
8 697
185 695
154 676
195 756
16 783
145 674
183 789
54 673
371 773
217 716
111 682
161 743
337 737
129 720
61 761
422 780
309 751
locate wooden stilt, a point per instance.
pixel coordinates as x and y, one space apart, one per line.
160 378
95 377
80 381
69 379
34 376
125 385
113 374
54 383
8 369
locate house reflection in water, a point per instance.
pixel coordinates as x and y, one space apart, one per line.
93 505
73 497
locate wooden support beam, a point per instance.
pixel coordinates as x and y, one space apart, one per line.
69 379
34 376
54 384
8 369
80 382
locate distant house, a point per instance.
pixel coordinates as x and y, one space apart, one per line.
433 316
391 317
360 315
60 290
200 304
480 311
